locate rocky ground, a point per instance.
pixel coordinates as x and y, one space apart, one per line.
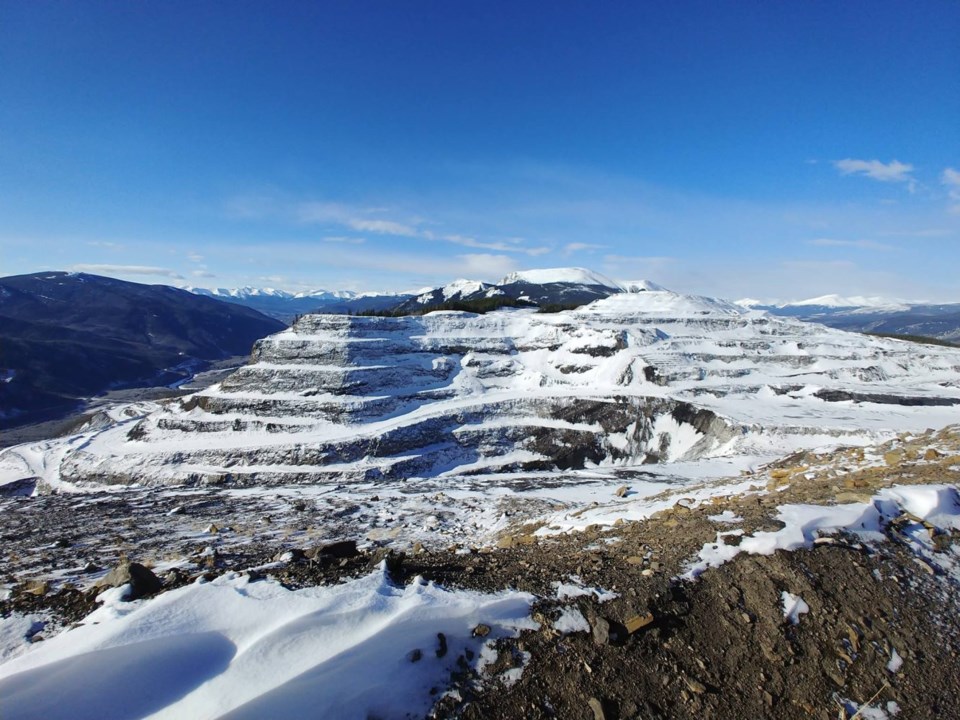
881 622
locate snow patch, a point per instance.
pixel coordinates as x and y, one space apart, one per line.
937 504
793 607
258 650
896 662
575 589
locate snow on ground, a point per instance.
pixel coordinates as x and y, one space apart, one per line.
925 506
15 632
322 395
241 649
212 649
793 607
571 620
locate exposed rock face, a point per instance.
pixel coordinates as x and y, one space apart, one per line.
636 378
141 579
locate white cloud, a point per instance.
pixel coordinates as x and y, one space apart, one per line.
358 219
202 274
893 171
382 227
951 179
127 270
537 251
859 244
487 266
195 257
513 245
573 247
104 244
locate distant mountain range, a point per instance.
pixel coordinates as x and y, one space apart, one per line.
285 306
578 286
449 398
872 314
68 336
557 286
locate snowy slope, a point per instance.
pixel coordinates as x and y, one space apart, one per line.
838 301
461 289
239 293
650 377
567 275
635 286
871 314
258 650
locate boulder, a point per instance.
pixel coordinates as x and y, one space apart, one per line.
141 579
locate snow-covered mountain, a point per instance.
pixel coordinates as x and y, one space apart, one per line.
871 314
286 306
635 378
641 286
561 276
839 301
550 286
565 286
456 291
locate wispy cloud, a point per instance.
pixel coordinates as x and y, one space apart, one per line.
195 257
513 245
368 220
893 171
202 274
382 227
127 270
105 244
858 244
575 247
951 179
485 265
382 270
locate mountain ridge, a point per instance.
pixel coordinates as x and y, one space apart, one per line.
68 336
652 376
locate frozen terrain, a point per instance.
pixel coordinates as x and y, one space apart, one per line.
628 382
449 430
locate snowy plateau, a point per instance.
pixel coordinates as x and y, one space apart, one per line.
451 430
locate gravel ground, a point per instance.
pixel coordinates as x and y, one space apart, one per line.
653 646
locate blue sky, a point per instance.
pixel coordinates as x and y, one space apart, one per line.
774 150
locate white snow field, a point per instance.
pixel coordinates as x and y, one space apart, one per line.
236 649
448 429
